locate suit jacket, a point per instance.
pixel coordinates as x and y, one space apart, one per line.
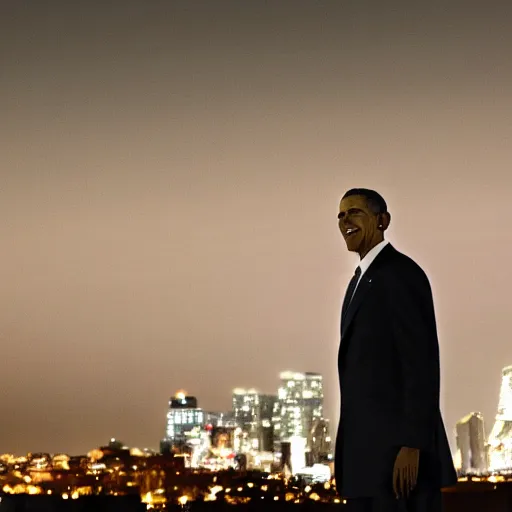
388 365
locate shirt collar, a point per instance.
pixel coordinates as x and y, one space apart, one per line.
372 254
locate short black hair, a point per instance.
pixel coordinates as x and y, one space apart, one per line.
374 200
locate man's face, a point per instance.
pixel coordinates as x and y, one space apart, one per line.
359 225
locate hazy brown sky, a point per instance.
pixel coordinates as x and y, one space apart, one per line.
170 177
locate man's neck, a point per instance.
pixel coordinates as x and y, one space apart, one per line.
363 254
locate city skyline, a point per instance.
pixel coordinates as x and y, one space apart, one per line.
183 403
169 187
230 417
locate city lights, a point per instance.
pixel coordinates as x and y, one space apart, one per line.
269 447
477 456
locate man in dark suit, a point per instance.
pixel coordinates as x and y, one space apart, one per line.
392 453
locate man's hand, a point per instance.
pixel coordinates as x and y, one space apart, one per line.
405 472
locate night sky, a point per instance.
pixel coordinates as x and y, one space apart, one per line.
170 174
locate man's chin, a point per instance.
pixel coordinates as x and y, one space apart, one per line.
351 246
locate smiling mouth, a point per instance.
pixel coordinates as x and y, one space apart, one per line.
351 231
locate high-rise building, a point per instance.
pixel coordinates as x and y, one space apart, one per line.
500 440
267 404
183 417
266 429
252 413
299 404
505 400
471 444
321 443
246 409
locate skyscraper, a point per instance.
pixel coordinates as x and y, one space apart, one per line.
266 429
299 404
246 408
183 417
252 412
505 400
500 440
471 444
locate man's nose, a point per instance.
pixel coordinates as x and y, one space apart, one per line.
344 221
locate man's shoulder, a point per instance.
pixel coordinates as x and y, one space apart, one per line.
405 268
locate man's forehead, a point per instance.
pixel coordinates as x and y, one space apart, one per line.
353 202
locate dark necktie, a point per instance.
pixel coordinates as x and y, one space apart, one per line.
350 291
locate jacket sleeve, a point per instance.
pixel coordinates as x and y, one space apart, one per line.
415 339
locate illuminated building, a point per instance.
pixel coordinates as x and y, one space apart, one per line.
266 428
183 418
297 453
182 401
220 419
246 409
500 440
299 404
252 413
321 443
470 432
60 461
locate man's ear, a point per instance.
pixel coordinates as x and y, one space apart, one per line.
384 220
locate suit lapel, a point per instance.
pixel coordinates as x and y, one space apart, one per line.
364 287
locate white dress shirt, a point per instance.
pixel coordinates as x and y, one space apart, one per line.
365 263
